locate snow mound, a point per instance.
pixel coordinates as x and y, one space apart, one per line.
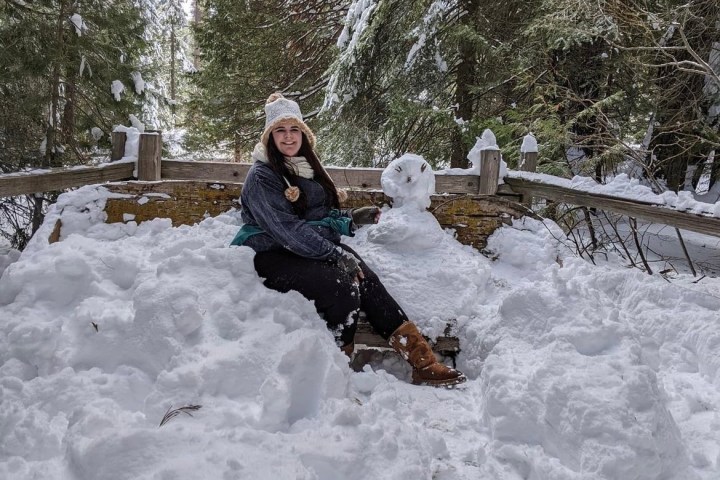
575 371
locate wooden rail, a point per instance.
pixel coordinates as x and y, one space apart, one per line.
152 168
364 178
61 178
634 208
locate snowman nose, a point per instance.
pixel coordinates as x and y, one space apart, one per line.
409 179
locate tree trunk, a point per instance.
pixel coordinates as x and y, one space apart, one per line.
37 212
465 78
173 39
197 13
68 119
684 100
51 137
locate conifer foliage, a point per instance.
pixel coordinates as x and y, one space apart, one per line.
252 48
69 72
605 86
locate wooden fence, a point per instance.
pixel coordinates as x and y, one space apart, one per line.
151 167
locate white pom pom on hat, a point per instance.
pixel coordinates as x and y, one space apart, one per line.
279 108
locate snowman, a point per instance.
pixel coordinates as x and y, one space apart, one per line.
409 181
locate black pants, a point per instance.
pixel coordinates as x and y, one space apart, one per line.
337 298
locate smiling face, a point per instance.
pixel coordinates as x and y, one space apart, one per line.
287 137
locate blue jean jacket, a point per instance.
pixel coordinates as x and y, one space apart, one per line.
264 206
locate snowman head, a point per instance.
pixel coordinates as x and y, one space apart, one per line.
410 181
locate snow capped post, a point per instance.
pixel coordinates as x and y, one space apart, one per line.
528 162
149 152
489 163
528 154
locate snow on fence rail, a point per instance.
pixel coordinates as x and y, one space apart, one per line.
151 167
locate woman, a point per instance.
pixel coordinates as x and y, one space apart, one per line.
292 219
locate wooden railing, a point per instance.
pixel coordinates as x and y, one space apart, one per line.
150 167
647 211
62 178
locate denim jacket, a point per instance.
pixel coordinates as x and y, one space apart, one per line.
264 205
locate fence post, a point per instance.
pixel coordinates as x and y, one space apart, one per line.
528 162
489 171
149 152
118 145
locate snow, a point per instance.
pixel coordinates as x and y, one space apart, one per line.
356 21
136 123
409 180
116 88
355 24
622 186
96 133
529 144
79 24
83 64
132 140
138 82
485 142
575 371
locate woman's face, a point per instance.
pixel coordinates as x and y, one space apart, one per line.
288 138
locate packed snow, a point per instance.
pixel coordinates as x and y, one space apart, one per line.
484 142
529 144
575 371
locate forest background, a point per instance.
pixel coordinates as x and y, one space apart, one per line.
605 86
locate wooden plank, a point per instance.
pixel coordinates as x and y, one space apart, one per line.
634 208
62 178
118 145
489 172
528 161
447 344
365 178
204 171
149 152
457 184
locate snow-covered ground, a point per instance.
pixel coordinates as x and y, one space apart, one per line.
575 371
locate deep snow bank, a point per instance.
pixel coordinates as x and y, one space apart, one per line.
576 372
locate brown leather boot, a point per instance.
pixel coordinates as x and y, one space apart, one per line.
409 342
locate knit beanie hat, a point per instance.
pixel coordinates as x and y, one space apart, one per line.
279 108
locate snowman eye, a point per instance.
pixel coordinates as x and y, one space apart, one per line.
424 166
398 169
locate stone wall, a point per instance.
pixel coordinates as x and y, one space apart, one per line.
472 217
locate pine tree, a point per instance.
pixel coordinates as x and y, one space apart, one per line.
170 59
423 75
251 49
686 86
58 65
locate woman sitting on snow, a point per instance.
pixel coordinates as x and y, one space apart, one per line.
290 210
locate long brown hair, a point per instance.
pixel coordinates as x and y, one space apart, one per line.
279 165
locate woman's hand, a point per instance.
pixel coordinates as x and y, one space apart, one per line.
365 215
350 265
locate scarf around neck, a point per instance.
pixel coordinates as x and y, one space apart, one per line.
297 165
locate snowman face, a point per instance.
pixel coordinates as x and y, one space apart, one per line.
409 180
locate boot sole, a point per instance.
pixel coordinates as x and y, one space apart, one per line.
449 383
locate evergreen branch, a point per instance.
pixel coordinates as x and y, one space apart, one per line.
21 4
